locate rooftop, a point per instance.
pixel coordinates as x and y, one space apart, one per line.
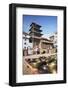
37 25
25 33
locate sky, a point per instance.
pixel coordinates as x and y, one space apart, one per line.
48 23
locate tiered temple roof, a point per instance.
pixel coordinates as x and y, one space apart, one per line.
35 30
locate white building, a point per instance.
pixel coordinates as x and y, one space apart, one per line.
26 43
53 38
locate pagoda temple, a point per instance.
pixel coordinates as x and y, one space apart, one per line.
36 38
35 34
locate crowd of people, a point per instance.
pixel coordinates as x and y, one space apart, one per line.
36 50
30 51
